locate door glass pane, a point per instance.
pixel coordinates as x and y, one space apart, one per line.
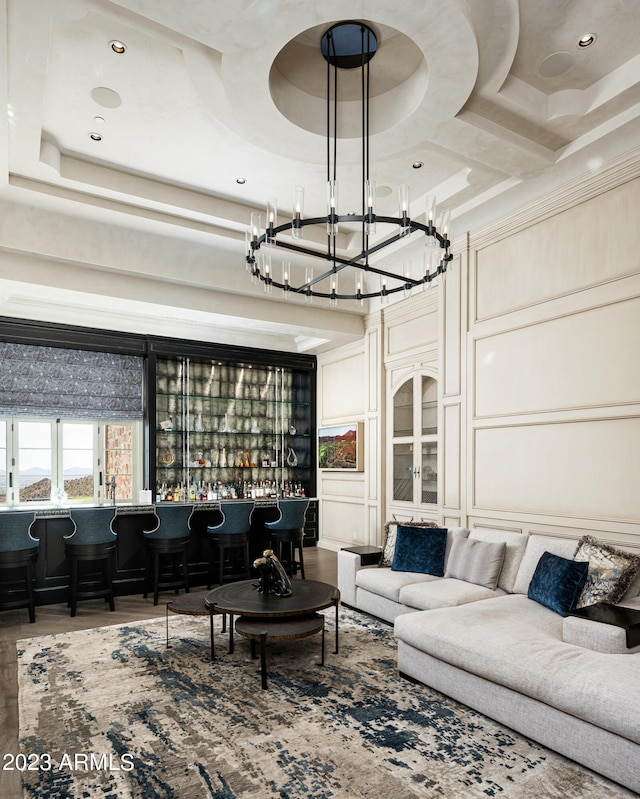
34 461
429 406
429 483
3 461
77 460
403 410
403 472
118 447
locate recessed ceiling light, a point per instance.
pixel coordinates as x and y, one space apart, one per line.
118 47
99 120
417 164
587 40
95 136
241 181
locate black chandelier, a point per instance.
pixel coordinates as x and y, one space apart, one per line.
346 45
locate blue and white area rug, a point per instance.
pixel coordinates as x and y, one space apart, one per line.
113 713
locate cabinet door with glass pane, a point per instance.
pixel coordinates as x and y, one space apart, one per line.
414 442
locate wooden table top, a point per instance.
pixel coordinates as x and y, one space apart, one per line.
243 599
192 604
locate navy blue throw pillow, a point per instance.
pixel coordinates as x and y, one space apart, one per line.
557 582
420 549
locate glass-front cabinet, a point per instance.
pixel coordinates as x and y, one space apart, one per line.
414 443
231 430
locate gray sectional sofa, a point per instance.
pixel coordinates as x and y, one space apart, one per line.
569 683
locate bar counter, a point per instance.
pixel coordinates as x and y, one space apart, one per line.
52 524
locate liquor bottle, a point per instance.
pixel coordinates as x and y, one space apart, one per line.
192 490
169 495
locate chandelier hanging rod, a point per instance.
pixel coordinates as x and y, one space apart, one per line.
339 47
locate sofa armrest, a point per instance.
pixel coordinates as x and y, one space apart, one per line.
595 635
349 564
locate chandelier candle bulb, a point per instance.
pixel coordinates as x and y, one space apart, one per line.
332 205
308 278
268 283
403 196
407 274
333 298
430 219
272 216
370 193
285 279
446 226
384 296
297 231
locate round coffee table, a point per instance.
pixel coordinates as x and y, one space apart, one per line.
266 617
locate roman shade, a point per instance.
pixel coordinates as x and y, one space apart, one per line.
69 383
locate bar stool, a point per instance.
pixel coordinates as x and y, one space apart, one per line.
289 530
92 541
18 554
168 540
229 542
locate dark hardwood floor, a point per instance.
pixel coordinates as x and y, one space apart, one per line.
320 564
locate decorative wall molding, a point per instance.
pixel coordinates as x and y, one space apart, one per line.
617 172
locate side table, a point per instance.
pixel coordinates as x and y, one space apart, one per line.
193 605
369 555
264 630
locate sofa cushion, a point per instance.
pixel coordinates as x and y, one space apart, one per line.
611 571
515 642
557 582
390 533
420 550
516 543
444 593
475 561
388 583
536 546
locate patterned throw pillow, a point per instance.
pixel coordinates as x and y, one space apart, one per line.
390 532
611 571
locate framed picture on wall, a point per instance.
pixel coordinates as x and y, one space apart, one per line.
341 447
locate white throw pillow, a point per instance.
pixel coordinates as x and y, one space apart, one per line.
474 561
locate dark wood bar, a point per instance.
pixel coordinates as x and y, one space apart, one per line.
51 526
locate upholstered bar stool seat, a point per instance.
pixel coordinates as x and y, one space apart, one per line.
18 555
229 543
288 531
168 541
92 542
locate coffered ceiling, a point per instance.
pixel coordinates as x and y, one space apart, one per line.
128 178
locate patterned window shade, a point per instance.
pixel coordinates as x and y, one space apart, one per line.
65 383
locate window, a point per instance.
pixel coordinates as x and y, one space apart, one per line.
72 461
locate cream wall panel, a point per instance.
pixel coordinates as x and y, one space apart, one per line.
343 522
588 469
413 333
451 464
374 382
336 484
583 359
452 328
343 387
593 242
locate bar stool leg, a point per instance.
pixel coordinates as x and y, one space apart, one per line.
30 595
74 586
